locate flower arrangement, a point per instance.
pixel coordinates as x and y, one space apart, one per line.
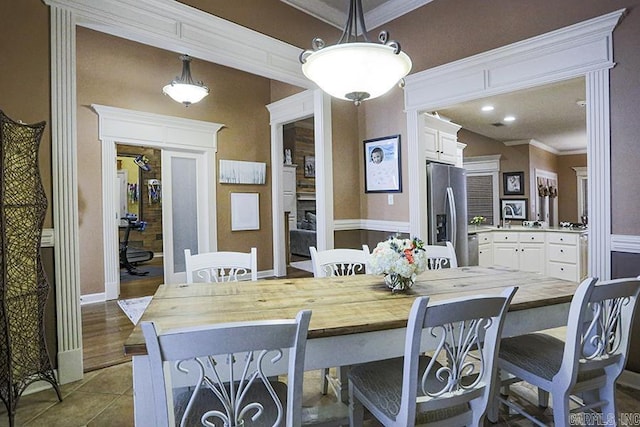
400 260
477 220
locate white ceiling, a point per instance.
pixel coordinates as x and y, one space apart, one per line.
377 12
548 115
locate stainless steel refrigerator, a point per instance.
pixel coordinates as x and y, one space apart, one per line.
447 208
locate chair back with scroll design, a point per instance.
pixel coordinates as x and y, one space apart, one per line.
589 361
339 262
453 385
233 364
439 256
214 267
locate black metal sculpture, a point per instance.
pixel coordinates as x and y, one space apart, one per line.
24 288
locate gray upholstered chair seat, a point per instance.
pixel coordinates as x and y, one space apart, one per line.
381 383
206 401
586 365
539 354
465 333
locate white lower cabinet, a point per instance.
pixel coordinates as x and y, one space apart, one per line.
520 250
485 249
552 253
564 256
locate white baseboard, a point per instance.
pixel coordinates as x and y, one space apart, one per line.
92 298
70 366
630 379
265 273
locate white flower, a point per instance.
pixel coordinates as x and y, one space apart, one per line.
405 257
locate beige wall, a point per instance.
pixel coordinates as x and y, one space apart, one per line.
24 71
384 117
120 73
567 186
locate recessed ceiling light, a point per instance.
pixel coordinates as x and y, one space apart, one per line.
509 118
487 108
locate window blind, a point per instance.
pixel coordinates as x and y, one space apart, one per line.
480 197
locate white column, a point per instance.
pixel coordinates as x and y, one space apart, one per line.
417 178
599 173
110 233
324 159
65 194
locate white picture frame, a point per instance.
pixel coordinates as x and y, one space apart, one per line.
240 172
245 211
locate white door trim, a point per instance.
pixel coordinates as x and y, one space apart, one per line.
119 125
296 107
581 50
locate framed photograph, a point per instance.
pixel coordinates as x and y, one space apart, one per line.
382 165
513 183
240 172
514 208
309 166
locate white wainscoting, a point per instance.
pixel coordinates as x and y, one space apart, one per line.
625 243
371 225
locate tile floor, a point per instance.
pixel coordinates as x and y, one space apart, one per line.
105 398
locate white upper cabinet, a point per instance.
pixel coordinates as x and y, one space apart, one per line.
439 140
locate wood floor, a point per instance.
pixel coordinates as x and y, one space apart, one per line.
105 327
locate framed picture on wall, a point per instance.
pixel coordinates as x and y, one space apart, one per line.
309 166
513 183
513 208
382 165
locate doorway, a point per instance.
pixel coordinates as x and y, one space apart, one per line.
299 175
129 127
139 195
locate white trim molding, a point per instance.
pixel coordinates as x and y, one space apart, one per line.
300 106
118 125
174 26
583 49
625 243
48 238
372 225
93 298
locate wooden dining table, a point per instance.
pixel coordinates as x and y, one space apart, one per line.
355 319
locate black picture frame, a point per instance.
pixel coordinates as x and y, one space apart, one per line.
513 183
382 165
518 209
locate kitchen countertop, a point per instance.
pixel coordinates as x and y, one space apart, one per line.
485 229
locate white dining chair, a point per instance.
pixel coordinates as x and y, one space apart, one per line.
339 262
441 256
230 362
584 368
448 388
331 263
221 266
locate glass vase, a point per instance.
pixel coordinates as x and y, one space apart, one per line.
398 283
